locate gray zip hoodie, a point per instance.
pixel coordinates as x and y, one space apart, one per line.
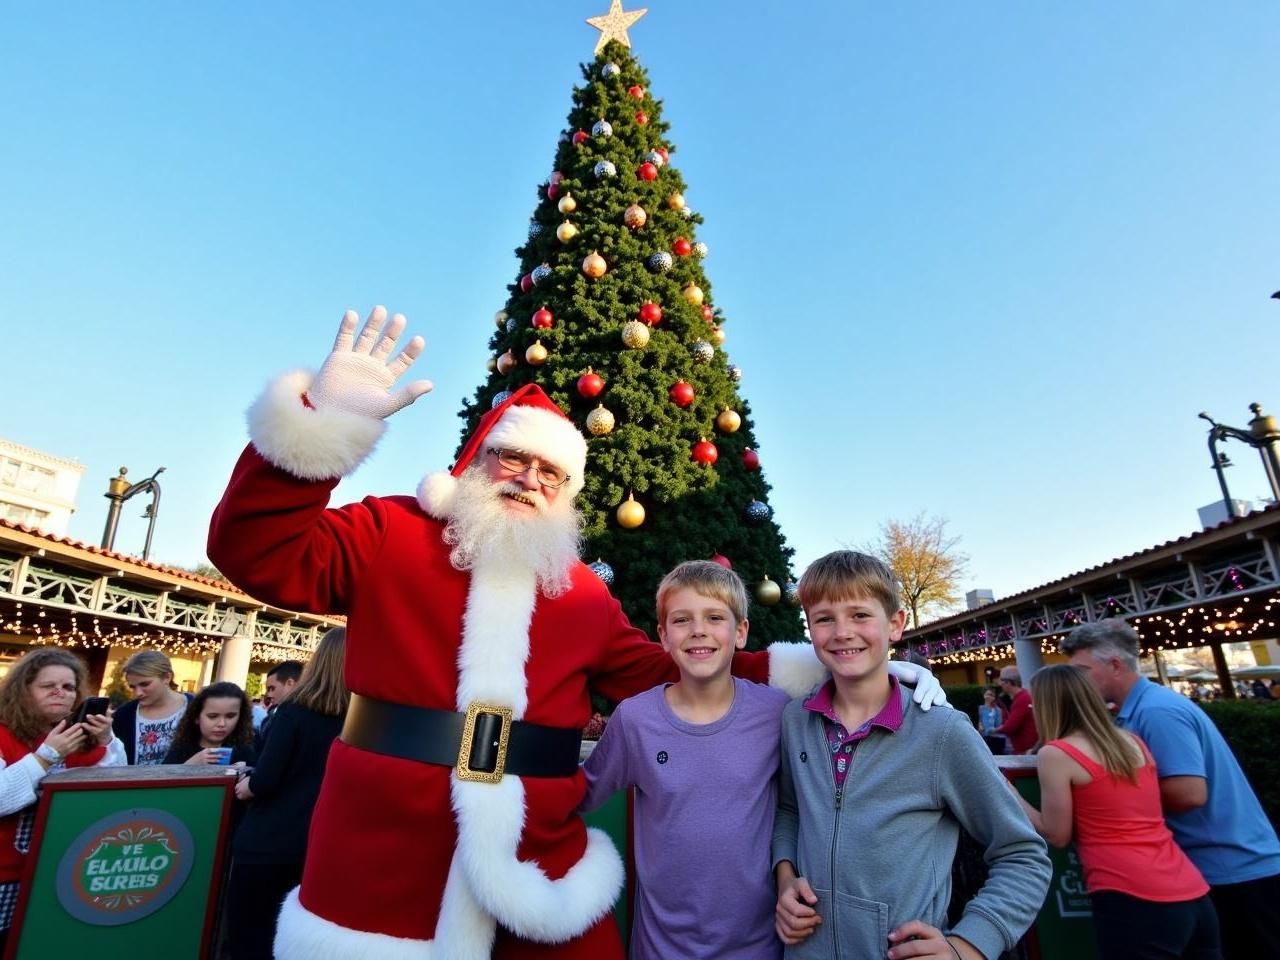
880 854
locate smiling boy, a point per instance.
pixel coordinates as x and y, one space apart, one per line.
872 797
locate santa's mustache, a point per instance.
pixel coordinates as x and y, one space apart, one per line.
517 492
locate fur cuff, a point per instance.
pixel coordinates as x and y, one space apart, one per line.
794 668
308 443
302 935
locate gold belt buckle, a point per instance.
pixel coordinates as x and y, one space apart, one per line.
474 709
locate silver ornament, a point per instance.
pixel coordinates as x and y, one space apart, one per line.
540 273
610 70
660 262
603 571
604 169
512 325
792 592
535 229
654 157
499 398
735 372
702 351
686 212
602 129
699 249
757 512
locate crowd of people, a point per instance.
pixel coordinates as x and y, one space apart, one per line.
417 791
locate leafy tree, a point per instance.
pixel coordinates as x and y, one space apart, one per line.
693 510
926 562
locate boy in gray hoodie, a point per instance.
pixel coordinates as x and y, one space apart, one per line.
872 797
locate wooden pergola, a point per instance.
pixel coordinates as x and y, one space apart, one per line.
1220 585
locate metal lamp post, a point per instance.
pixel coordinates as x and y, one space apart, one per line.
1263 435
119 490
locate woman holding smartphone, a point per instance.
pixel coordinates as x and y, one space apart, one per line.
37 700
217 728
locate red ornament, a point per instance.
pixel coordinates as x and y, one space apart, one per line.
662 152
641 117
580 136
553 191
707 313
682 394
649 313
750 459
682 247
590 384
543 318
647 171
526 283
556 176
704 451
721 559
637 91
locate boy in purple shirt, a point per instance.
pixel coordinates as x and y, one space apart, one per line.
703 755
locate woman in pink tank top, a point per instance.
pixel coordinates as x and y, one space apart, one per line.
1098 784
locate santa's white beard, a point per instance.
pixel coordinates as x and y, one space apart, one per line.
483 531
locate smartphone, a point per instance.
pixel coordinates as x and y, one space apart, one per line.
91 706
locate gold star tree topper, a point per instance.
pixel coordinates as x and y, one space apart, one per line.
614 24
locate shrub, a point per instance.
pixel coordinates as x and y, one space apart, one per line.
1252 729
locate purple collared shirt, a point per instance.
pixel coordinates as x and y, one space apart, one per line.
841 742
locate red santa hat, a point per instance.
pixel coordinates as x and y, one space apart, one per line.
528 421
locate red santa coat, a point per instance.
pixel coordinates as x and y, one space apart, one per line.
404 860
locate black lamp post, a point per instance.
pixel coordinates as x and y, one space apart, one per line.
1263 435
118 491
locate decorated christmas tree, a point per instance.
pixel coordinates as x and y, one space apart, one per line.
612 315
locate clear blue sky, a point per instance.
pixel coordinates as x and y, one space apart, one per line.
986 260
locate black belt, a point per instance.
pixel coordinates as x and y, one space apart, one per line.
483 743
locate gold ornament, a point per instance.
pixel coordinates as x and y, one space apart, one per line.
676 201
536 354
594 266
630 514
728 421
500 319
634 216
506 362
717 336
600 421
491 364
693 293
635 334
567 204
768 592
615 24
566 232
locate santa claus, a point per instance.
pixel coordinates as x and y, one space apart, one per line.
446 826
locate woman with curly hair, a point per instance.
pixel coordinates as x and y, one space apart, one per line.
37 699
217 719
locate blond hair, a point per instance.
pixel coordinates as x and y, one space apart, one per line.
148 663
707 579
1067 702
321 687
849 575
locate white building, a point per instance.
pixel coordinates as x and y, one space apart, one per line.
37 489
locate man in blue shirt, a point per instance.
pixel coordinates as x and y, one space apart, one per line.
1208 803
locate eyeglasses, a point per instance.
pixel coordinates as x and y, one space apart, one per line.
517 461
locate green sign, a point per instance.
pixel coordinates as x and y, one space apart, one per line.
125 867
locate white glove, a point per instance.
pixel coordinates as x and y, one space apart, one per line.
928 692
357 378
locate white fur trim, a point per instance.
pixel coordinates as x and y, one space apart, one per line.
794 668
464 931
490 817
302 935
436 492
314 444
543 433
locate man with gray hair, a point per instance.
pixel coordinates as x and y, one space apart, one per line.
1208 803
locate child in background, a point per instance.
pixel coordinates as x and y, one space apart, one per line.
218 718
703 756
873 795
